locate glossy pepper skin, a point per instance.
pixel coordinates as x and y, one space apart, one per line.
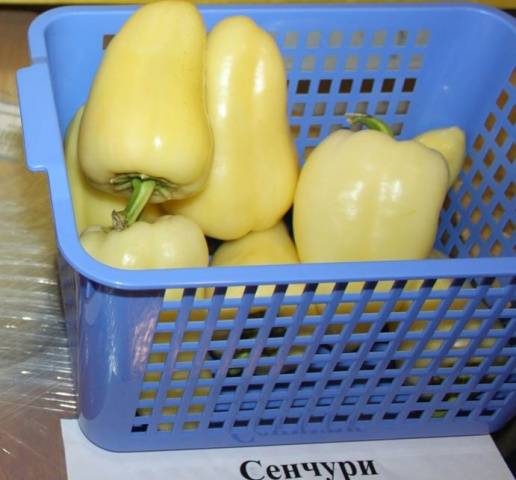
92 206
252 180
365 196
273 246
145 116
451 143
172 241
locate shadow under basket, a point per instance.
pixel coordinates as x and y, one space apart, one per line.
336 352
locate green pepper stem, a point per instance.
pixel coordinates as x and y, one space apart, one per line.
141 194
370 122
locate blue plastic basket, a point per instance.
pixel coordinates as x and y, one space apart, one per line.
386 360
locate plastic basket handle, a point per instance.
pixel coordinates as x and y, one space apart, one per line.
41 133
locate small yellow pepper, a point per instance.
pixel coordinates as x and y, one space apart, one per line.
365 196
145 117
254 172
92 206
172 241
267 247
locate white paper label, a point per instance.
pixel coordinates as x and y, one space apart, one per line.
472 458
10 132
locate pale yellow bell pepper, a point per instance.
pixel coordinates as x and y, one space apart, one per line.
255 169
92 206
267 247
365 196
172 241
145 116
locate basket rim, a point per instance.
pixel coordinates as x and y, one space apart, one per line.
36 31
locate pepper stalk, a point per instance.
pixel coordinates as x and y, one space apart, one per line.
370 122
141 193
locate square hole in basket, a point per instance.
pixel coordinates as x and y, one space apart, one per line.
313 39
364 417
295 130
152 376
416 61
340 418
422 38
262 370
451 397
439 413
385 381
330 63
487 412
191 425
382 107
169 411
291 420
140 428
394 62
402 107
390 416
490 122
373 62
316 419
401 37
366 86
379 38
462 380
340 108
148 394
324 85
303 87
502 99
314 131
240 423
357 38
415 414
501 137
216 425
319 109
351 63
409 85
358 383
487 379
425 398
291 39
345 85
308 63
264 422
298 109
411 381
335 39
388 85
361 107
157 357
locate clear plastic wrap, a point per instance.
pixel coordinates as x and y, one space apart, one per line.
36 387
